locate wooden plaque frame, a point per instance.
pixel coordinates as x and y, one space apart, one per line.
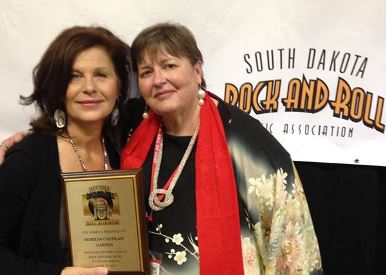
105 220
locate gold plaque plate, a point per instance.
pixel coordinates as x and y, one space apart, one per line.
105 220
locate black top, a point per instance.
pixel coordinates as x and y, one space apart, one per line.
179 217
30 201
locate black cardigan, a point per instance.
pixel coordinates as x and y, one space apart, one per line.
30 200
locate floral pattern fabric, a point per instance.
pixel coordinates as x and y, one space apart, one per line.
279 227
280 241
284 234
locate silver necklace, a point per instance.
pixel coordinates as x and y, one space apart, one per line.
81 161
154 198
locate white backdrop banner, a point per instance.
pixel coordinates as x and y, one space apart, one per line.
311 71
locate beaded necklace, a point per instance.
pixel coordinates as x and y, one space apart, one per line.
160 198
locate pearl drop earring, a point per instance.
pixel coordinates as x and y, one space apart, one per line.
145 113
201 96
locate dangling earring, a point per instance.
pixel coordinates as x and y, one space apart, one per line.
201 96
145 113
114 116
60 118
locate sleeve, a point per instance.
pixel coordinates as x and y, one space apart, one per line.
17 175
282 224
275 204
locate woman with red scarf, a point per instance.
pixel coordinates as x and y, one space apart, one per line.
223 196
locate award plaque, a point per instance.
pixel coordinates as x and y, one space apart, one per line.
105 220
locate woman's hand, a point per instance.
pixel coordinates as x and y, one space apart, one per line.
8 142
72 270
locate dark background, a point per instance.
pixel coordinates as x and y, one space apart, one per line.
347 204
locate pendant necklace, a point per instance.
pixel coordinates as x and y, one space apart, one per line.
81 161
160 198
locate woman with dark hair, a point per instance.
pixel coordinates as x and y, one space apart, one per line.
223 195
80 85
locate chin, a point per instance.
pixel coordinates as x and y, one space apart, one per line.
91 119
163 109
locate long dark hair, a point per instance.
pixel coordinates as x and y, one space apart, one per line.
52 74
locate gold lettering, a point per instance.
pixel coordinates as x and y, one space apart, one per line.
245 97
255 99
291 102
272 95
356 105
231 94
342 99
322 94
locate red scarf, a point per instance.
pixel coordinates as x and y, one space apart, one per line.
218 222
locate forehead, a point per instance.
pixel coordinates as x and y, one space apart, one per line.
93 56
157 55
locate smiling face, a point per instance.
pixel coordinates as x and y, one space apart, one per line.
93 89
169 84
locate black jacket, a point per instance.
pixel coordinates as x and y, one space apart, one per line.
30 200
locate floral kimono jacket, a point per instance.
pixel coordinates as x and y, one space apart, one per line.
278 236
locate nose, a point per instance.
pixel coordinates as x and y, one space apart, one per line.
159 77
89 85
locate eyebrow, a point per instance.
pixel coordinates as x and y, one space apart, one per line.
167 59
162 61
97 68
143 67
